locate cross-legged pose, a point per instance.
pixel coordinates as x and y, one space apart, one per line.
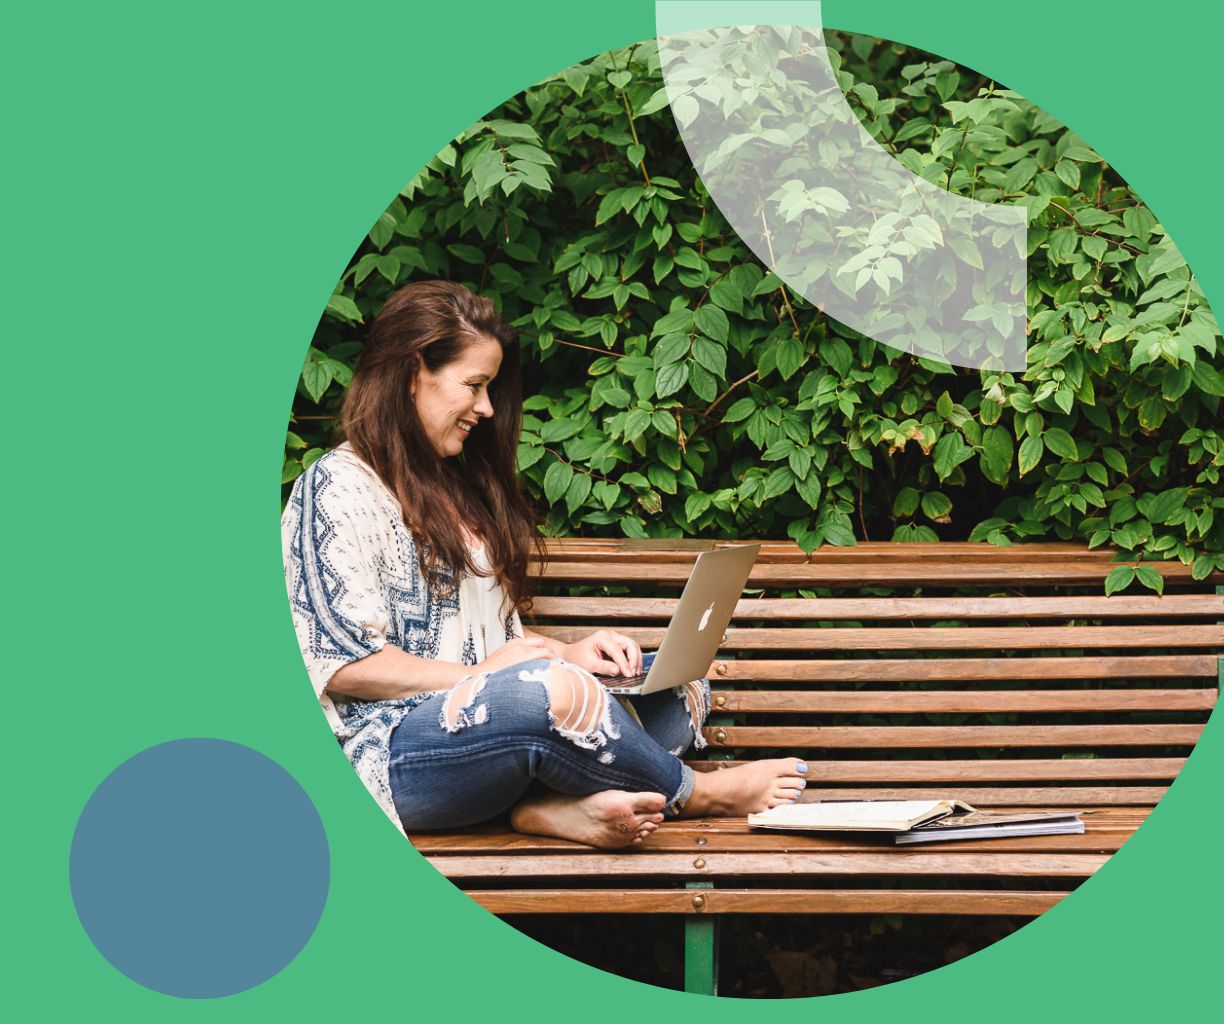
406 554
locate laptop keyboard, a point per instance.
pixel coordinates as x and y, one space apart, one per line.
618 681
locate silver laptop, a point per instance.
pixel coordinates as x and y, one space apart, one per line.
696 630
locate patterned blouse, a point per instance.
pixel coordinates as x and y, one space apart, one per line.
355 582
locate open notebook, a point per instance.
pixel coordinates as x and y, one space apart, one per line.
917 821
857 815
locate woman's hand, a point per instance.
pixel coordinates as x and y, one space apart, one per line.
513 651
606 653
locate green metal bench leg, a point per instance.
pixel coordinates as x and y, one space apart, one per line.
701 950
1220 660
700 930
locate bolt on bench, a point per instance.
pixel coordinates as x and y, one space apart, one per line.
999 675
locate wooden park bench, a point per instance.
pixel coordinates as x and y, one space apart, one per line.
999 675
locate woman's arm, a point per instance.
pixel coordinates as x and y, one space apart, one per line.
605 652
393 674
556 647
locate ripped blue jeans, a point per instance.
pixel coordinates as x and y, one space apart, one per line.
470 754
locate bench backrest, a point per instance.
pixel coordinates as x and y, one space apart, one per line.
1001 675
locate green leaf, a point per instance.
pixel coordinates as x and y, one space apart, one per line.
1068 171
557 481
609 206
662 478
712 322
967 250
778 482
671 379
950 451
1166 505
790 357
559 430
529 455
1031 452
906 502
1152 412
936 505
344 308
316 376
726 295
671 349
1175 381
914 126
383 230
1060 443
467 253
686 110
740 410
1021 174
664 422
1208 379
800 461
635 425
1150 578
577 492
703 383
695 504
656 102
997 453
1119 579
1203 567
1114 459
710 355
809 489
836 353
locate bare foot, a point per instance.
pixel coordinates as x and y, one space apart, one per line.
747 788
611 819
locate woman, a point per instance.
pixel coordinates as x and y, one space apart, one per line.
406 552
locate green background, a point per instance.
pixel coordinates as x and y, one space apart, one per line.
185 187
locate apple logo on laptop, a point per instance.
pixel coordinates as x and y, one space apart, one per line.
705 618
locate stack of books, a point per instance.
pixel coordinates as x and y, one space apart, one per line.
917 821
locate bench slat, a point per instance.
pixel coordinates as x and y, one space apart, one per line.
1106 829
895 574
1059 797
890 608
898 861
751 901
979 701
906 736
659 549
931 638
1103 841
1074 769
1173 666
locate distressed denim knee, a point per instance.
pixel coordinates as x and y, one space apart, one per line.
696 698
578 706
470 753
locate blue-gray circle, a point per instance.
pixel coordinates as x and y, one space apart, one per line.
199 868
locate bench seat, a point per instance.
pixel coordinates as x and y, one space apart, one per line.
998 675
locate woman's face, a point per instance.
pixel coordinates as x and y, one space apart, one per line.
451 401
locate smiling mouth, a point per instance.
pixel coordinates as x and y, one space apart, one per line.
466 426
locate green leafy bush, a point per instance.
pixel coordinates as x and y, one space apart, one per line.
676 387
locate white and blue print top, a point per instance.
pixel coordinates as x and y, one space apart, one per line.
355 582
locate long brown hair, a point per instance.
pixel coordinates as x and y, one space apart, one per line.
429 323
